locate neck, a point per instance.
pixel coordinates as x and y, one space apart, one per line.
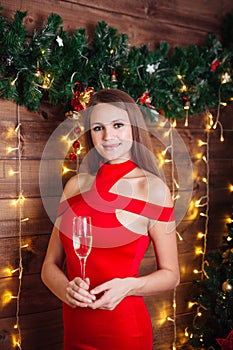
118 160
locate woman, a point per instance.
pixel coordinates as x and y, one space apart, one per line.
129 206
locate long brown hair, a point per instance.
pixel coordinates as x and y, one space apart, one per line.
142 150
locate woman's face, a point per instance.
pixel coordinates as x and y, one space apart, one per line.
111 132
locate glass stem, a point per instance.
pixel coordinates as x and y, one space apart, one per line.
83 267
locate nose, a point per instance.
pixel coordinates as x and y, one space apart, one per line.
108 132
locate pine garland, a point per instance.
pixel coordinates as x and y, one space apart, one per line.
47 65
214 297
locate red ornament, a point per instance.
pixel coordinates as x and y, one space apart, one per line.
145 99
227 343
81 97
73 156
77 130
76 144
114 77
214 65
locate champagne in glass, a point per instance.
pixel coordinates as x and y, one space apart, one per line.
82 239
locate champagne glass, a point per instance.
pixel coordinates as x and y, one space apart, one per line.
82 239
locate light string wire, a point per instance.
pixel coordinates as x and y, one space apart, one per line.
204 213
173 189
173 194
210 125
20 201
203 259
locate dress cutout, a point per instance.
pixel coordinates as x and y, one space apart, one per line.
116 253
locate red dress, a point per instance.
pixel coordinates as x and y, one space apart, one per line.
116 252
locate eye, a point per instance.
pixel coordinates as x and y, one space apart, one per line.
118 125
97 128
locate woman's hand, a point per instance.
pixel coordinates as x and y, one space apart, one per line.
112 291
77 293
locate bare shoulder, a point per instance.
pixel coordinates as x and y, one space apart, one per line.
77 184
153 189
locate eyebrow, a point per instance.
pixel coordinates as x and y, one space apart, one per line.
112 122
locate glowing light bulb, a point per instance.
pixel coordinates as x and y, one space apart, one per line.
201 143
183 88
66 170
6 297
12 172
229 220
24 220
204 159
11 149
191 304
26 245
20 200
211 122
199 155
200 235
198 251
174 123
16 341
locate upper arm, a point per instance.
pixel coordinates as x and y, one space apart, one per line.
55 252
71 188
163 234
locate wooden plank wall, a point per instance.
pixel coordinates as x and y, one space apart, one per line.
146 22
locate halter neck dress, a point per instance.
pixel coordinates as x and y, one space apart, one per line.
116 253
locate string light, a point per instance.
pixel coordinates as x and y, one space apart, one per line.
200 235
205 180
179 236
204 159
66 170
175 197
12 172
211 121
201 143
186 122
18 202
203 202
165 151
11 149
174 123
176 183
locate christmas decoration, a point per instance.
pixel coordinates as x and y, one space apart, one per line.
145 99
226 286
114 77
213 296
214 65
81 97
226 344
41 67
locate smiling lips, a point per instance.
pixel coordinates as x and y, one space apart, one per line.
110 146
